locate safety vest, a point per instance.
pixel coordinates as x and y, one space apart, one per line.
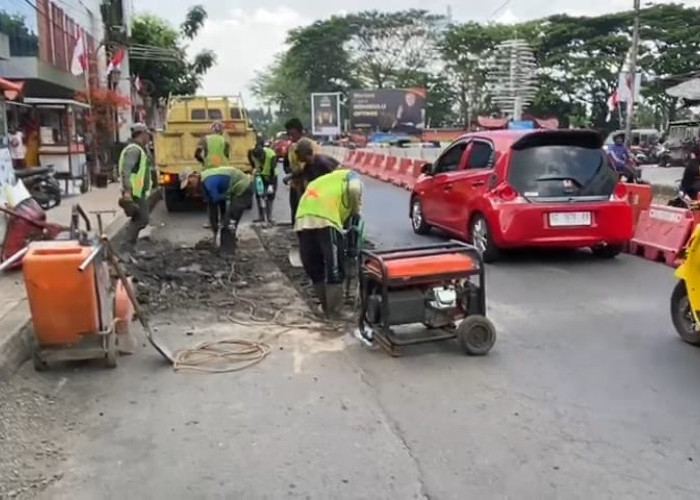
238 180
268 166
138 179
323 198
216 151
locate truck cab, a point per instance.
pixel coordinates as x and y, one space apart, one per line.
187 120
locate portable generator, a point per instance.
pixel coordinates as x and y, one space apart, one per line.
436 286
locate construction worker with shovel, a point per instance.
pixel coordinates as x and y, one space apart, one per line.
326 206
134 172
226 189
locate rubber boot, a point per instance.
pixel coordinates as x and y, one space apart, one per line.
335 297
320 292
268 210
261 214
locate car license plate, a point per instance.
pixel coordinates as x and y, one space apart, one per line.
568 219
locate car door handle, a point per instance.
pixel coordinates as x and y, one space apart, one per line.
448 187
478 183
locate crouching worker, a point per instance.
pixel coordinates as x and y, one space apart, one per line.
226 190
325 207
265 165
135 177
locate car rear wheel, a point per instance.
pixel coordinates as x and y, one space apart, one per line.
417 220
681 315
607 251
480 237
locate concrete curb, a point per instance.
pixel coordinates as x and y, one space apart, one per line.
17 347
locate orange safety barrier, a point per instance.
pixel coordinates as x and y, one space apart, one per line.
404 170
366 164
377 165
349 158
356 160
661 233
388 172
639 197
414 172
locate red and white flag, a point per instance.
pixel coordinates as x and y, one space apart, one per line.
115 63
79 63
613 102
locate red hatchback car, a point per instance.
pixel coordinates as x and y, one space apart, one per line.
518 189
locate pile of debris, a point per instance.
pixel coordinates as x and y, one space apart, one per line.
168 277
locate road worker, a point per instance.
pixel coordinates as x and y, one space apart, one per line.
315 164
213 150
134 172
327 204
227 190
264 162
293 167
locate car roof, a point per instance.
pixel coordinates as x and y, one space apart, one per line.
505 139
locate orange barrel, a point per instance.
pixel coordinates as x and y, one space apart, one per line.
63 300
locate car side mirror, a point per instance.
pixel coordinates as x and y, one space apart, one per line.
426 169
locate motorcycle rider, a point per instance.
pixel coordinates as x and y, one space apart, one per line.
690 182
621 157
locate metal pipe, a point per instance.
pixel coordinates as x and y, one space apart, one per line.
633 74
14 258
88 260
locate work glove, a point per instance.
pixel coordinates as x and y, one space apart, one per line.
130 207
270 190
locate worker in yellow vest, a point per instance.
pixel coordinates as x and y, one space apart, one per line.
213 150
134 172
326 206
264 162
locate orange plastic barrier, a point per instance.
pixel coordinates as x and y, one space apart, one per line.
388 173
349 159
661 233
639 197
366 165
403 171
414 172
356 160
377 165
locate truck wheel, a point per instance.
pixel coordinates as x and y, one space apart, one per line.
476 335
174 201
682 317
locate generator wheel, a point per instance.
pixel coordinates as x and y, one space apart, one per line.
112 350
476 335
39 364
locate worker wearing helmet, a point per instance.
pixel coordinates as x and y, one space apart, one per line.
327 204
228 191
213 150
264 162
134 172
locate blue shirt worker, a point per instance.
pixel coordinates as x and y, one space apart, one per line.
227 190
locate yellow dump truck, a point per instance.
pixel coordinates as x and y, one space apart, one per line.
188 119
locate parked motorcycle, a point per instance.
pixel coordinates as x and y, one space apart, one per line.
42 185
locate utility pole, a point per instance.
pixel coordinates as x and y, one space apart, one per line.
633 74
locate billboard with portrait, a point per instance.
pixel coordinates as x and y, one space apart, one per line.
325 114
398 110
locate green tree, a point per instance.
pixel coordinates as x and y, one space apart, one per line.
158 54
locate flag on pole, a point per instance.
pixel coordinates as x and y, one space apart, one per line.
80 62
613 102
115 63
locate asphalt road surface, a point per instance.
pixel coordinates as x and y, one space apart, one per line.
587 394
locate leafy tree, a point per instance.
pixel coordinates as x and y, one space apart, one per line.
159 54
389 47
281 86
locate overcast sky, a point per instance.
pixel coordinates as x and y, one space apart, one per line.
247 34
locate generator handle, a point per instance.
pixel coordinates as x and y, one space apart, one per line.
88 260
13 258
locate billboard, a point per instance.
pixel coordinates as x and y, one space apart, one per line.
325 114
401 110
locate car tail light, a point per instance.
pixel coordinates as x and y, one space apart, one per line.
620 191
166 179
506 192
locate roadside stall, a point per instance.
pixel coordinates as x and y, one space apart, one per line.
62 139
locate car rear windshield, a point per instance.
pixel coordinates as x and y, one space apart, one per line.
561 171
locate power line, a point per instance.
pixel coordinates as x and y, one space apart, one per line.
499 9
